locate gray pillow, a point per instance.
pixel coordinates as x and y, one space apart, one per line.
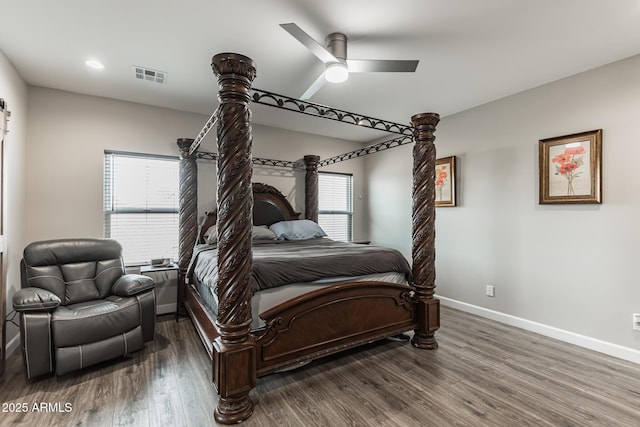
211 235
259 232
297 230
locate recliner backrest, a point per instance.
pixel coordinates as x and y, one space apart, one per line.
76 270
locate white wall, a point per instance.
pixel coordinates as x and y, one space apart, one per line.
570 267
14 91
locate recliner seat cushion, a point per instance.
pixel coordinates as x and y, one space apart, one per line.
93 321
77 357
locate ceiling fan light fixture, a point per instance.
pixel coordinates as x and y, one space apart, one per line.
336 72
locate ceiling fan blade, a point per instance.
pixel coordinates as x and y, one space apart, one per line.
315 86
316 48
381 65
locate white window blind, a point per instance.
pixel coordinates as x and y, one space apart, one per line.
141 205
335 205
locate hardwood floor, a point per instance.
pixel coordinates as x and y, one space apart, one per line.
484 374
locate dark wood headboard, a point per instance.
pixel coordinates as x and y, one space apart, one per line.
269 206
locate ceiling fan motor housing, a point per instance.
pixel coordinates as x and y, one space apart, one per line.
337 45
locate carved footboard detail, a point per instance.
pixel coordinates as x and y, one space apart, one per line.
331 320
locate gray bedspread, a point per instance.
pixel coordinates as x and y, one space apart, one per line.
279 263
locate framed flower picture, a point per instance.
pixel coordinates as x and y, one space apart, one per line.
446 181
571 168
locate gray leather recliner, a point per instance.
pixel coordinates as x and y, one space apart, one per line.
78 307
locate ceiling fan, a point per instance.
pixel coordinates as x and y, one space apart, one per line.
337 65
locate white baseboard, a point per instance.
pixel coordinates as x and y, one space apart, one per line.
608 348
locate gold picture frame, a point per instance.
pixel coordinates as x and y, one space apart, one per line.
445 181
570 168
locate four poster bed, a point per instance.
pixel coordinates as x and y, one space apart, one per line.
253 324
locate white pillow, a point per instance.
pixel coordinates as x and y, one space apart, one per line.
262 232
297 230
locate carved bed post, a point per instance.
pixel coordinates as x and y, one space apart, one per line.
311 187
188 214
234 365
423 234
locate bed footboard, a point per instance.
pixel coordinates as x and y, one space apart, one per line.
331 320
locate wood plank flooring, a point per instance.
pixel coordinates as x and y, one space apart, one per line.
484 374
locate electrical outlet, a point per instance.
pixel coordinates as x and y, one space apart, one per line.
490 290
636 322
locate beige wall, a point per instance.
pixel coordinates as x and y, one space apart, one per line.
14 91
69 133
274 143
67 136
570 267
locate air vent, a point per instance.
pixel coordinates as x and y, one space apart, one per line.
149 75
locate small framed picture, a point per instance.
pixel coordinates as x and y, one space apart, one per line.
446 181
570 168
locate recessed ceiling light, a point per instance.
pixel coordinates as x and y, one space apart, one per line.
93 63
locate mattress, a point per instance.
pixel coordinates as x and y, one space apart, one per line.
282 270
280 262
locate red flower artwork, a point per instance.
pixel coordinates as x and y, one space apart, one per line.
441 179
567 165
573 151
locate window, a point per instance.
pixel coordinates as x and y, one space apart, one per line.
335 205
141 205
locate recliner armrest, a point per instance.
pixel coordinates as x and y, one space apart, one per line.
132 284
35 299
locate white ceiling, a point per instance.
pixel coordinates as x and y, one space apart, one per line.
470 51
